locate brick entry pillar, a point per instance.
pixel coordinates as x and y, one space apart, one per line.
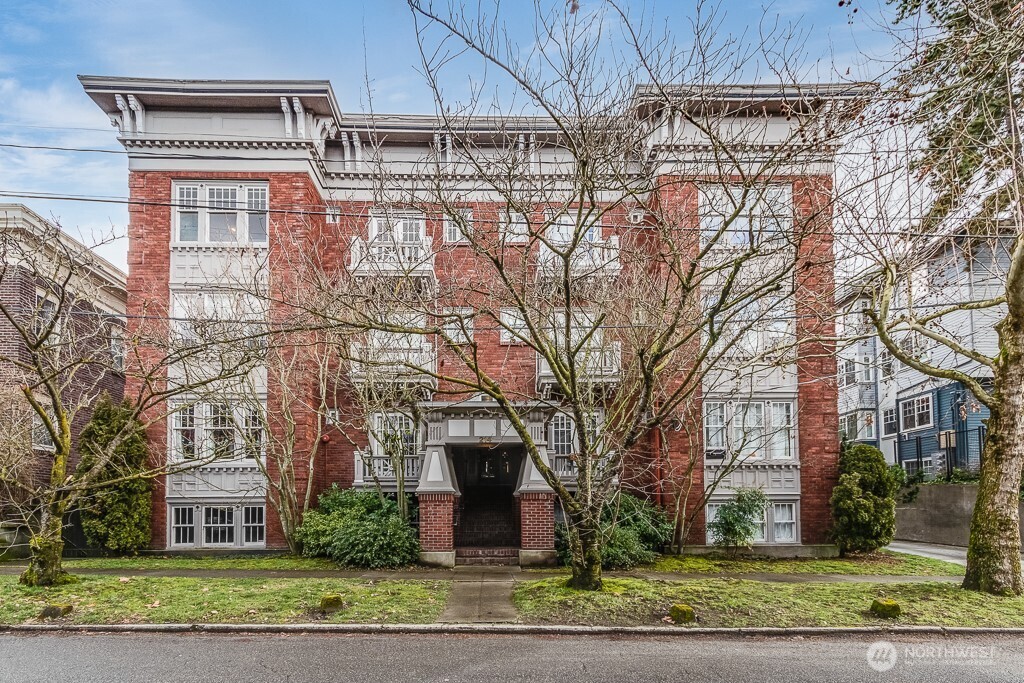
437 530
537 528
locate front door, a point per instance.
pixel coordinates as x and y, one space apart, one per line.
487 508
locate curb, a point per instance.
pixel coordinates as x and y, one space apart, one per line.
505 629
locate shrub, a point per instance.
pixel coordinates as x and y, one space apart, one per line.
863 502
634 531
354 502
737 521
623 549
317 532
377 542
649 522
116 517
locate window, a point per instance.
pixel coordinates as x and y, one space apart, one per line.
223 213
864 373
886 364
46 314
890 422
563 437
404 228
848 426
515 227
458 326
252 432
847 372
748 429
513 326
183 428
219 525
221 430
188 214
757 326
396 434
562 229
714 430
256 210
711 510
916 413
253 527
457 228
42 440
736 217
333 215
780 443
232 213
115 340
784 522
183 525
868 430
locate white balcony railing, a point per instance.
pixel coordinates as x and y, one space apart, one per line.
588 258
387 256
564 467
373 364
372 468
599 366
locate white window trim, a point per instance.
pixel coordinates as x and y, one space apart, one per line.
895 423
203 444
459 329
377 449
767 521
332 215
379 220
452 232
931 413
508 236
768 429
716 202
203 209
512 318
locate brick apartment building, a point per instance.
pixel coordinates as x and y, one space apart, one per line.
31 287
209 160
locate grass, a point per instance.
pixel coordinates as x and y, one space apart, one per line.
114 600
241 562
739 602
882 563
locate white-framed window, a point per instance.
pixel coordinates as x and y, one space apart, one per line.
218 525
42 440
847 372
458 325
115 345
784 522
515 227
221 212
562 434
458 228
333 215
218 317
848 426
751 430
916 413
402 227
513 326
183 525
395 431
711 511
886 364
763 325
926 466
890 422
867 420
865 373
732 216
253 525
45 316
562 228
220 430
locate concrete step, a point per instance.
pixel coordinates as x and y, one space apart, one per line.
487 556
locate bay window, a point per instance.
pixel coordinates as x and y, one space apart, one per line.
222 430
777 523
229 213
217 525
751 430
732 216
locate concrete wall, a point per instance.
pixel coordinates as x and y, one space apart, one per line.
941 513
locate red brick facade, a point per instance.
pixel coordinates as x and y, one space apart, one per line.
537 521
437 522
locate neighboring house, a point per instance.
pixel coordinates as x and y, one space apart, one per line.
925 424
209 159
97 289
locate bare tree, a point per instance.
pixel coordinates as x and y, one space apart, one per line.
946 238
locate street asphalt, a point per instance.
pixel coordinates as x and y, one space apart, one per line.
188 658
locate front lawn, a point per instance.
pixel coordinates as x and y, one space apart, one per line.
881 563
123 600
181 562
739 603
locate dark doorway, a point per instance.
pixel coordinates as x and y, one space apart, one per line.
487 508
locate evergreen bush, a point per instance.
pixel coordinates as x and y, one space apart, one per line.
864 501
737 521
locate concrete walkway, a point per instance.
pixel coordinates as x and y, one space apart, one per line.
947 553
480 595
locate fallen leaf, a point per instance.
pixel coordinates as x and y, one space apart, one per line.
124 579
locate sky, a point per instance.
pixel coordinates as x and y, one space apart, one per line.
361 46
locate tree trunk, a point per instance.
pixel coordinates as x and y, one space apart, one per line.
47 546
586 557
993 554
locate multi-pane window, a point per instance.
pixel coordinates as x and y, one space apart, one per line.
847 372
404 228
751 430
188 213
42 440
865 372
890 422
222 210
183 525
253 524
46 314
458 325
737 217
562 229
784 522
458 228
848 426
252 432
256 213
563 435
513 326
183 429
714 430
515 227
761 325
916 413
219 525
333 215
221 213
220 430
886 364
711 511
